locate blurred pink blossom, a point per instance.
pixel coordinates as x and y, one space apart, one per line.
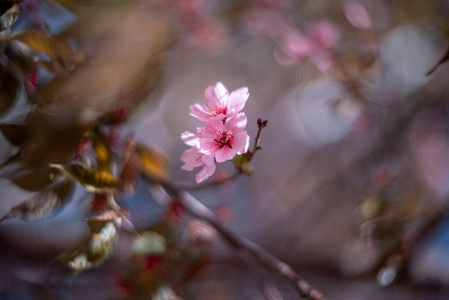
316 44
357 14
268 21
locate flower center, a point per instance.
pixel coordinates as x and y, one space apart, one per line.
219 110
224 139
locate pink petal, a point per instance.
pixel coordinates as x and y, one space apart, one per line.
200 112
205 173
236 122
190 139
238 98
213 126
240 142
211 98
191 157
224 154
220 90
208 146
208 160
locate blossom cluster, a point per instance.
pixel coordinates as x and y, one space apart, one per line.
223 135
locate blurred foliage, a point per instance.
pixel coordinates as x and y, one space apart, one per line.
66 90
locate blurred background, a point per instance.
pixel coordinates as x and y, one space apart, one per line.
351 186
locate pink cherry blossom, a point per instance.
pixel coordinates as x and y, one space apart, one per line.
357 14
219 101
224 141
192 158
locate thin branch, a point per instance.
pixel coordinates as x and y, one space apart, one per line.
261 255
261 125
265 258
210 183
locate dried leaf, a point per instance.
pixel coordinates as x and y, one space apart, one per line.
94 249
133 32
154 162
102 149
444 59
58 50
8 86
33 179
41 205
149 243
129 176
9 17
15 133
110 215
92 180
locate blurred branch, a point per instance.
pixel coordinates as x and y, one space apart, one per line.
268 289
195 207
398 256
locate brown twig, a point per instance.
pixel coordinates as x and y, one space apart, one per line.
195 207
261 125
210 183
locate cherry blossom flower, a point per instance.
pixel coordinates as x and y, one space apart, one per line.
192 158
219 101
223 137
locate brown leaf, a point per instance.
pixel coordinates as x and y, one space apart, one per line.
92 180
33 179
102 149
129 176
8 87
154 162
110 215
8 18
58 50
15 133
113 39
47 138
94 249
41 205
